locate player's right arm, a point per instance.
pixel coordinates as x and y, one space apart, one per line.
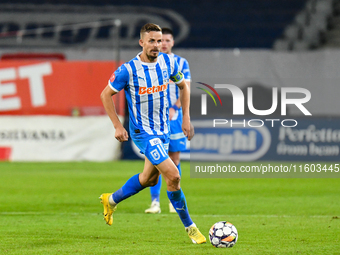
106 96
117 82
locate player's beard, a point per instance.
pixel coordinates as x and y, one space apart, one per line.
152 58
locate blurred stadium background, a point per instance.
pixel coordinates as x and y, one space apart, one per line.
56 57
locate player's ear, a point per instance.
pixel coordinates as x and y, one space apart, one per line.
141 42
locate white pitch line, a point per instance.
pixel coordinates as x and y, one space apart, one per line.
168 214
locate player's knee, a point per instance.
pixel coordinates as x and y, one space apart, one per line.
174 181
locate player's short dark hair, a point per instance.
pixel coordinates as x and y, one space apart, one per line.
149 27
167 31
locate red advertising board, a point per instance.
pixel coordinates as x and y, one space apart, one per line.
5 153
36 87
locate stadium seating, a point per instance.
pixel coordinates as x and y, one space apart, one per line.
238 24
279 24
309 27
300 45
282 45
246 24
292 32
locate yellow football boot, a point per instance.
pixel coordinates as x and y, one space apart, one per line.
108 209
195 235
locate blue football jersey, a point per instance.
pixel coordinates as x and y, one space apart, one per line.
146 90
184 68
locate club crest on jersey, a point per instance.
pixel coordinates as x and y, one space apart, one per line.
165 75
153 89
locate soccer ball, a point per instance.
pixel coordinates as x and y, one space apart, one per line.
223 234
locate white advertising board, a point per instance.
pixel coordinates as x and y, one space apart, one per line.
58 138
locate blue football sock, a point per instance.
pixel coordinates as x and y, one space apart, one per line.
179 169
156 190
177 199
131 187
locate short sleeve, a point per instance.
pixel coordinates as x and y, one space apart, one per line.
186 70
119 79
177 76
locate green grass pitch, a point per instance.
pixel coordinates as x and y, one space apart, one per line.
53 208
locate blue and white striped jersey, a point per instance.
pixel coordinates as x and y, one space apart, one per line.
184 68
146 90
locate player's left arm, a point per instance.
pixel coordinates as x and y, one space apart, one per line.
184 95
185 102
177 104
187 76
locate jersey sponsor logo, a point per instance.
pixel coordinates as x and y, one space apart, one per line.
112 78
153 89
155 154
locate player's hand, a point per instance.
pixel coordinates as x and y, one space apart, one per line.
121 134
172 112
188 128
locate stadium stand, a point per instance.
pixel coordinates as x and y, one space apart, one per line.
280 24
237 24
313 27
332 36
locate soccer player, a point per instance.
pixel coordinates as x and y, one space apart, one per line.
145 79
177 137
